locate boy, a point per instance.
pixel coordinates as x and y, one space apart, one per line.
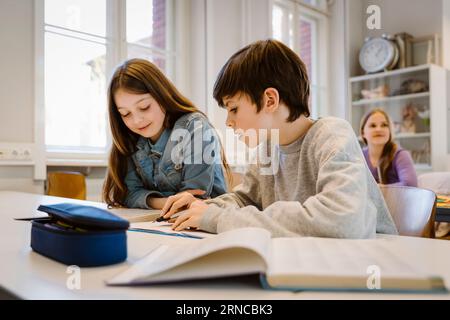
322 186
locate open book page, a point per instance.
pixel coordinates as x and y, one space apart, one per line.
166 228
237 252
136 215
322 262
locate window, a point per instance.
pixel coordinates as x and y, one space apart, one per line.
304 29
150 40
320 4
82 45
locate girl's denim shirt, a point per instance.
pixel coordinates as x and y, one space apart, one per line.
184 157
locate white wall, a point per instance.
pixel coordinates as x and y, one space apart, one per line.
19 179
17 88
356 33
417 17
346 35
16 65
446 34
223 38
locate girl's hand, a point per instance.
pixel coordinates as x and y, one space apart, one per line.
191 217
179 202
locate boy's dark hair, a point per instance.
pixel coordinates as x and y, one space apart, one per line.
261 65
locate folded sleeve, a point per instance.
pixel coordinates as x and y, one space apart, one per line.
137 194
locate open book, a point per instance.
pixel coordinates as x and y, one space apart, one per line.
285 263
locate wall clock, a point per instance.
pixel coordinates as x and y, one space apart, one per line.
378 54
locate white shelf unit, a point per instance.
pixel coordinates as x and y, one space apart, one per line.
430 143
391 99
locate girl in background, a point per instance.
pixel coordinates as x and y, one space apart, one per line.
160 142
388 163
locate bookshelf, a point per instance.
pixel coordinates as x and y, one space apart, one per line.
417 100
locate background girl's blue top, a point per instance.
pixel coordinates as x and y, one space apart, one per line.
185 157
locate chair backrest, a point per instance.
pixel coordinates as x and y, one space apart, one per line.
439 182
413 209
66 184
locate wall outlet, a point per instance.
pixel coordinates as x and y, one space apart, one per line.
26 154
16 153
3 154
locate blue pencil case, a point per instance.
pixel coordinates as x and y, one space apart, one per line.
80 235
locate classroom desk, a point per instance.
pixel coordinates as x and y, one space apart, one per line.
32 276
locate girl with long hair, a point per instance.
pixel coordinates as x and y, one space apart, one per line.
162 144
388 163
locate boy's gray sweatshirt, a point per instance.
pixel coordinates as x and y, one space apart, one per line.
322 187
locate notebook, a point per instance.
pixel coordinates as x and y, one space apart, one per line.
303 263
165 228
136 215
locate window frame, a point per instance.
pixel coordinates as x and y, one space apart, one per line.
320 35
288 7
116 51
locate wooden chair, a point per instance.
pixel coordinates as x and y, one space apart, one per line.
66 184
413 210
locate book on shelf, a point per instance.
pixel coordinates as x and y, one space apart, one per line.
302 263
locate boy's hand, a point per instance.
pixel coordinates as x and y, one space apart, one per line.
191 217
179 202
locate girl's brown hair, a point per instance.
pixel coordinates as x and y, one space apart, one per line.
387 156
139 76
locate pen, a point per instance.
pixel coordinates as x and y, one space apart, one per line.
33 218
161 218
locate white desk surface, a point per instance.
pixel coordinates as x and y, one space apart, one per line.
32 276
